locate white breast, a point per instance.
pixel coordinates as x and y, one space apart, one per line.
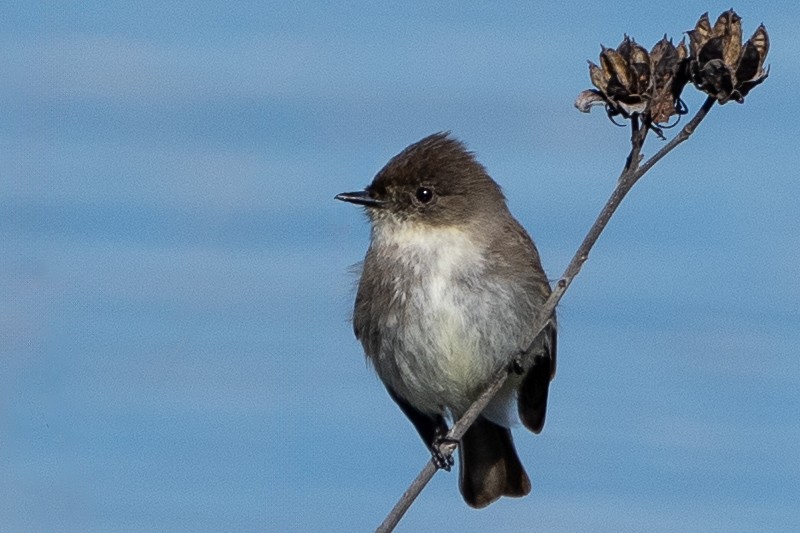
446 350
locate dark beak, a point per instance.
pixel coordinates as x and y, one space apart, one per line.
360 198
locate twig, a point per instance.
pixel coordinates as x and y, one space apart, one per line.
627 179
638 136
455 433
629 176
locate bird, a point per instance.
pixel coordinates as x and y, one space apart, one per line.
448 294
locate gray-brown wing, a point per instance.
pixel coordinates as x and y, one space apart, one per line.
532 393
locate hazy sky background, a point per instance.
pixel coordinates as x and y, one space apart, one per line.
175 351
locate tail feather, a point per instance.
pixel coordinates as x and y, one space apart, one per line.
490 467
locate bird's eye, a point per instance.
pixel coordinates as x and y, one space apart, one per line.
424 195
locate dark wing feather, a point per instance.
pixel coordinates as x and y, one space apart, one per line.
532 393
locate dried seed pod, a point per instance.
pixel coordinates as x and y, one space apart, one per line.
700 34
669 78
750 71
719 64
632 82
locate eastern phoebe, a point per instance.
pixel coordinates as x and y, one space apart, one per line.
449 291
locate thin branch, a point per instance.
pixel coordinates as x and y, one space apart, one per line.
638 136
630 175
684 134
455 433
626 181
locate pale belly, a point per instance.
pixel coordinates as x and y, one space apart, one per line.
441 346
446 326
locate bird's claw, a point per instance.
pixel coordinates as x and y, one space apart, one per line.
442 452
516 367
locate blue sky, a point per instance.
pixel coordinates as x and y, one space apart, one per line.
175 352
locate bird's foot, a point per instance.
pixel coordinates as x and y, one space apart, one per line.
442 452
516 367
